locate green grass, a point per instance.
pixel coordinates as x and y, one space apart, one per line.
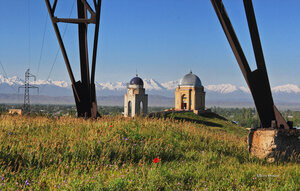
210 121
114 153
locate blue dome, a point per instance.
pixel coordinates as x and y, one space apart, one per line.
136 81
190 80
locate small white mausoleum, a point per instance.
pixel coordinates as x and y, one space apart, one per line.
135 100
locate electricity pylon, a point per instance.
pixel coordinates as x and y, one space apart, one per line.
84 90
27 86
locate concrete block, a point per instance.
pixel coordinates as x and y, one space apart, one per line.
274 144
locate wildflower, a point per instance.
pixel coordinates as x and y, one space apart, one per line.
2 178
156 160
125 138
26 182
111 125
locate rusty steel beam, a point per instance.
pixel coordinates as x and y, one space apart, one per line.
54 6
95 48
89 8
60 41
96 35
84 60
74 21
257 80
84 90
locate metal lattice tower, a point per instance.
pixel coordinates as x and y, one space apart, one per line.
27 86
84 90
257 80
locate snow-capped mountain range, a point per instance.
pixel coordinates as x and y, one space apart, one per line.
149 84
288 92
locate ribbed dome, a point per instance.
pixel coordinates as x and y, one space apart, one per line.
190 80
136 81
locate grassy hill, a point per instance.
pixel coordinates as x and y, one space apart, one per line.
114 153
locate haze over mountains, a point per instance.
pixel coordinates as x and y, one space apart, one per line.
111 93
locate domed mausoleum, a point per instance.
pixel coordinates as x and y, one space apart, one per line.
190 94
135 100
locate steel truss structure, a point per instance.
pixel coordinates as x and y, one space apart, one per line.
257 80
27 86
84 90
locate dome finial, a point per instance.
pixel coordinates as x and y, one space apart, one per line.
191 71
136 73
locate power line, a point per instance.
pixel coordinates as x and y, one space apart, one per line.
3 70
5 75
43 42
29 35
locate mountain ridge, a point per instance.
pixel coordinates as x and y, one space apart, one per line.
150 84
287 93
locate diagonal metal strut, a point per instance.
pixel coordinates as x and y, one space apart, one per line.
257 80
84 90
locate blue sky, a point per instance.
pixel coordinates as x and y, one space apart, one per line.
162 39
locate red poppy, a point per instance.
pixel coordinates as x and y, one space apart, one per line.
156 160
110 125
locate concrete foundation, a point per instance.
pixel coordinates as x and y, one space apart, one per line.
275 144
